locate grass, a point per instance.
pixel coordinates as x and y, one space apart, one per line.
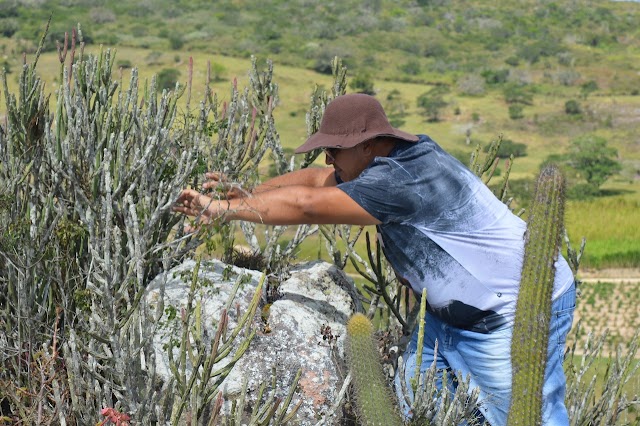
612 230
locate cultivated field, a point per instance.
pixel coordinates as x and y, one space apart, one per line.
609 303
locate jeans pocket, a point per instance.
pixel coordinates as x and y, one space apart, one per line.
562 317
561 322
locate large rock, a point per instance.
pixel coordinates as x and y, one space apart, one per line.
303 328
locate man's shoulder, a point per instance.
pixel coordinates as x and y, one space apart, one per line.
412 160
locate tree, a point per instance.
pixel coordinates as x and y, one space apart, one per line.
432 102
592 157
395 108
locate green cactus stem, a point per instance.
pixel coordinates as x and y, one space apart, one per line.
533 310
373 396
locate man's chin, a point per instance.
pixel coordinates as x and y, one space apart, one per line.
342 177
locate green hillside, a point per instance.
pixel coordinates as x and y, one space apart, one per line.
537 73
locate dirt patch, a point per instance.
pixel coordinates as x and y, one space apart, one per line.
617 274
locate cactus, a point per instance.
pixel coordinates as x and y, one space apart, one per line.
373 396
533 309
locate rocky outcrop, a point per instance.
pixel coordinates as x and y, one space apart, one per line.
301 326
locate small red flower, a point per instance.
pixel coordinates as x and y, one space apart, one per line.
114 416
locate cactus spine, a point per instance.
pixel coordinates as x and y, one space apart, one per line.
373 396
533 309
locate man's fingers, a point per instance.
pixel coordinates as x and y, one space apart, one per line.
216 176
190 229
213 184
225 189
190 201
187 195
215 179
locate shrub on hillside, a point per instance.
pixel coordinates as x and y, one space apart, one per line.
101 15
167 78
8 27
534 51
411 67
588 88
514 61
471 85
323 57
515 93
582 191
175 41
572 107
499 76
435 49
362 83
516 112
508 148
124 63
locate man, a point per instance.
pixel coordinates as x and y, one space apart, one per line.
441 228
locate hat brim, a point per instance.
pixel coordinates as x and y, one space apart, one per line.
323 140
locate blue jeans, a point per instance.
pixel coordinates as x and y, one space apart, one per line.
486 359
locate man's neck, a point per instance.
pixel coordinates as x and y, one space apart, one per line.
384 147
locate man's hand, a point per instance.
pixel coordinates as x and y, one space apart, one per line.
203 208
219 183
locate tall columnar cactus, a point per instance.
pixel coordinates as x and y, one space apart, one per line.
533 311
373 396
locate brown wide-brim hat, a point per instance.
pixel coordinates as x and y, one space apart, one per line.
351 119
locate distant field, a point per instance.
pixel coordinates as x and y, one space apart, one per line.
611 226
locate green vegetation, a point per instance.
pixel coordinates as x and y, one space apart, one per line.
432 103
610 225
591 157
167 78
509 148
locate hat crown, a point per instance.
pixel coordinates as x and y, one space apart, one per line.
352 119
354 114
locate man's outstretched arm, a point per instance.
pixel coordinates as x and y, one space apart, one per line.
315 177
311 176
287 205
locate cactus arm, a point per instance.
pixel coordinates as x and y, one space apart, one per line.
373 396
533 309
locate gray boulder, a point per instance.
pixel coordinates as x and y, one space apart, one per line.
302 328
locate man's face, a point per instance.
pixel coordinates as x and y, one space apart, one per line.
348 162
